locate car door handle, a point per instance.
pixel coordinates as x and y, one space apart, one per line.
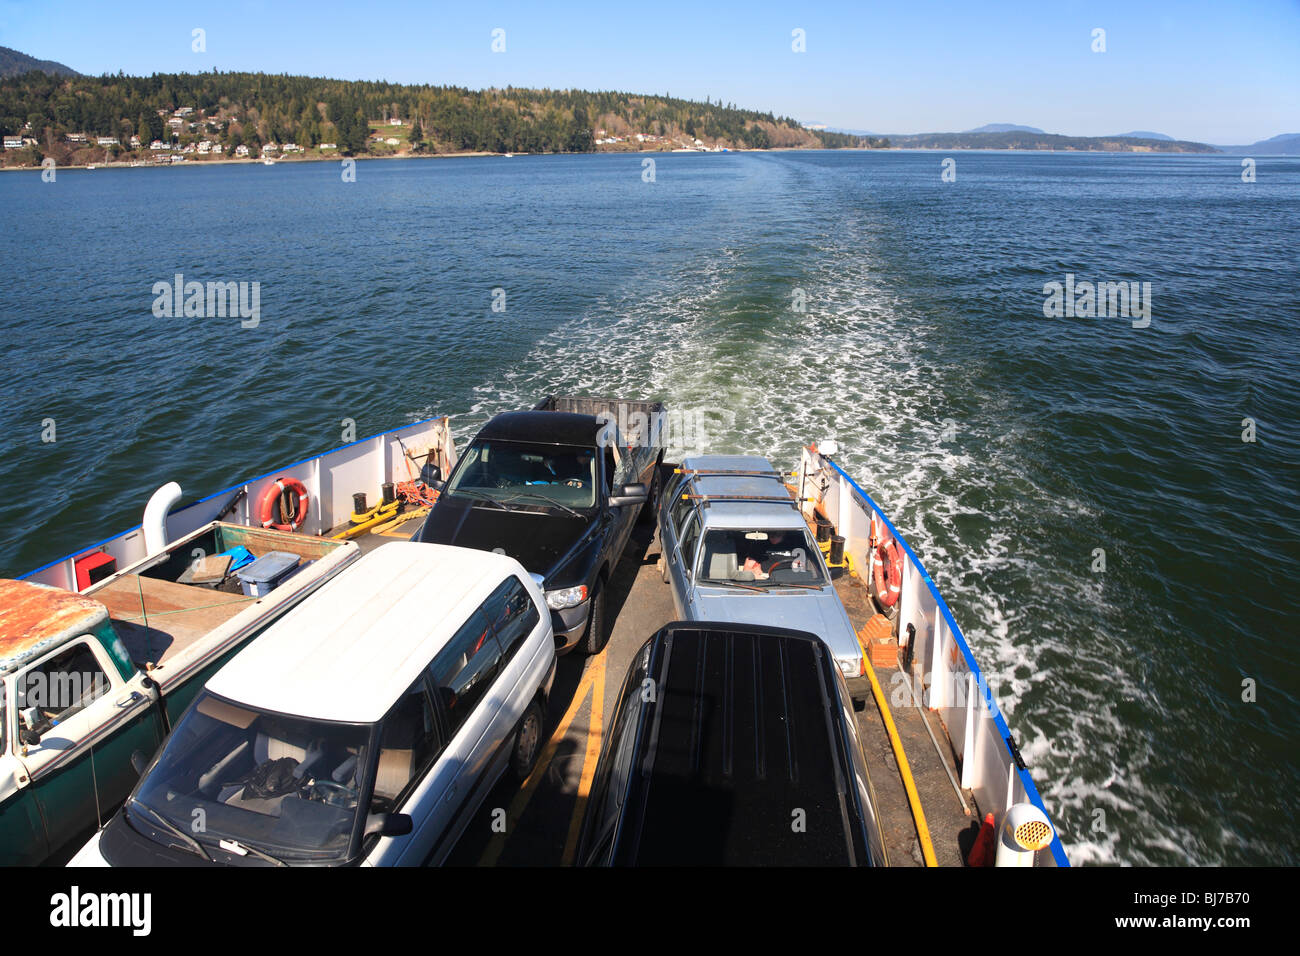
130 699
451 792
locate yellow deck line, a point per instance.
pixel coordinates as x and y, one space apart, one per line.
517 806
904 770
589 760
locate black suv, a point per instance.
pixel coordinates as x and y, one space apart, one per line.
732 745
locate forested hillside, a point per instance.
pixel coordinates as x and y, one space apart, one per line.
253 109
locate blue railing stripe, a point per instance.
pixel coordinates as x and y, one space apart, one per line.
1058 850
226 491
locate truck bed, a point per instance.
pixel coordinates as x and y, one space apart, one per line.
158 618
631 416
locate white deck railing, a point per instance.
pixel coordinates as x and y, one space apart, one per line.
330 479
951 682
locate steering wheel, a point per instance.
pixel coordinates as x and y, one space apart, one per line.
331 789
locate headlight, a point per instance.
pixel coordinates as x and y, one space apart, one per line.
559 599
852 668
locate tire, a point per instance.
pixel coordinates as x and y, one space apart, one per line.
650 510
597 633
528 742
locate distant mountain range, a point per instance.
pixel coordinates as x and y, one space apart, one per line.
1004 128
1285 144
1014 136
13 63
1023 139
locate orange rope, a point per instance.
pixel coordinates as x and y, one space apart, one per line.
416 493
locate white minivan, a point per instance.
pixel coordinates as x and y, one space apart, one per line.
364 727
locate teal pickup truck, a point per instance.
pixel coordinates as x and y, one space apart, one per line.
88 679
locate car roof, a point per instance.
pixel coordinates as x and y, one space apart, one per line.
746 728
36 618
543 428
750 463
349 651
755 478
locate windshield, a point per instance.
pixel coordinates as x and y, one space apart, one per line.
527 474
767 557
286 786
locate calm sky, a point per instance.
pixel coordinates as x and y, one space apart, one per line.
1226 72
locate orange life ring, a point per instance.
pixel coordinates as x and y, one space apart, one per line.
886 570
271 496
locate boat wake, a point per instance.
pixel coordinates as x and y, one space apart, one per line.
859 366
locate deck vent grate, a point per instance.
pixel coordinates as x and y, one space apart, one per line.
1033 834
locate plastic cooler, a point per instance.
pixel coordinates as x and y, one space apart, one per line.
267 573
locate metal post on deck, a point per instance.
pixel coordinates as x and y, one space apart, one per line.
938 665
968 738
845 522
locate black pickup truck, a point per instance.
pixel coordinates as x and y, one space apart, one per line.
559 489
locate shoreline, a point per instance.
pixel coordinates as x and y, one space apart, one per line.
190 164
227 161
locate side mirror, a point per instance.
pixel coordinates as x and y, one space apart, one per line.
139 762
538 579
29 738
629 495
389 824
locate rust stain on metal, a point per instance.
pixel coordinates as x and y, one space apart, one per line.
31 613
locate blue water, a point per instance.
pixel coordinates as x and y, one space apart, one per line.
1007 446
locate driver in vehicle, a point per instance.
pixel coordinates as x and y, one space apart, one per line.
570 470
777 552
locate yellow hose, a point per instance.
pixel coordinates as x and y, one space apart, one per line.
904 769
382 514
